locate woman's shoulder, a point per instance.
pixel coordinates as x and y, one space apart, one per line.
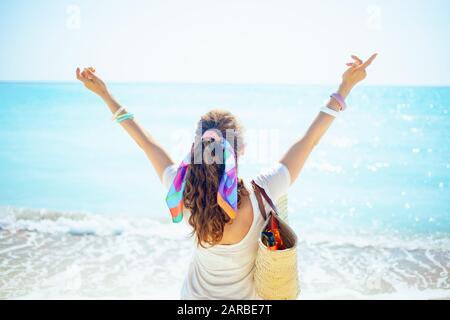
275 180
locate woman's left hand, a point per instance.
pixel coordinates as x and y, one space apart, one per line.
91 81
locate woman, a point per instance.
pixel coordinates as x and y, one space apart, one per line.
205 191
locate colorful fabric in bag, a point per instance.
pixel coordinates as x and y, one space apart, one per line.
276 270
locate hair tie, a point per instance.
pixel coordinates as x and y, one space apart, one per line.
211 134
227 192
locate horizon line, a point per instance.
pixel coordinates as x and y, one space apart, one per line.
224 83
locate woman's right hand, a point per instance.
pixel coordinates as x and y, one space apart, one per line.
92 81
356 71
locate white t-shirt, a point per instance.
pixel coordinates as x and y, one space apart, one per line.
226 271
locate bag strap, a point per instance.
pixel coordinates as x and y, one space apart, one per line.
258 192
262 209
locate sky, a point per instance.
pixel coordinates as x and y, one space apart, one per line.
225 41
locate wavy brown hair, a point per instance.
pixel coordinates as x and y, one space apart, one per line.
202 183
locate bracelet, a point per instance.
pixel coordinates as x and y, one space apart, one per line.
126 116
330 111
340 100
116 114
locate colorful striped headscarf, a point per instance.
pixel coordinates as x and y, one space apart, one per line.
227 194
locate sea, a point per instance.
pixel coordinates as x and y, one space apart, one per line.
82 211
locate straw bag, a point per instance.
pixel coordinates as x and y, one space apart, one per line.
276 275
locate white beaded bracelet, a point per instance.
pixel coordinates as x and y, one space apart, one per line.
330 111
116 114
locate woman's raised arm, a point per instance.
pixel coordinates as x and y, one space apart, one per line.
159 158
297 154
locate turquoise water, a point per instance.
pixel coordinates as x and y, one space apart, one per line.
384 164
79 199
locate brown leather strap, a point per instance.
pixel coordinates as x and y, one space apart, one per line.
262 192
262 209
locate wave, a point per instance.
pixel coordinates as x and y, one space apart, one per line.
56 254
15 219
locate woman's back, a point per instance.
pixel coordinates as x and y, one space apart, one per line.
225 270
235 232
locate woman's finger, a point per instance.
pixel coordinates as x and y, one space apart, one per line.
87 74
357 63
91 75
358 60
369 61
352 64
80 75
